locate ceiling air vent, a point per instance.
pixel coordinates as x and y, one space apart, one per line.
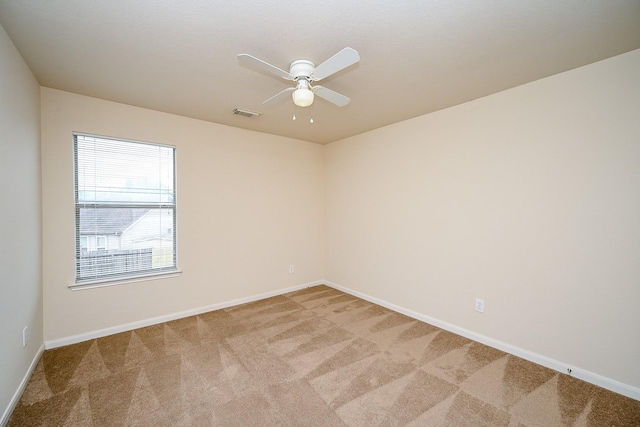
245 113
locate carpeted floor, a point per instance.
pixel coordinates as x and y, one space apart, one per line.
315 357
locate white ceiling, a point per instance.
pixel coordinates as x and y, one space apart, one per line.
416 56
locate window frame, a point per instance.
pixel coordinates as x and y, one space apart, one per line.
120 277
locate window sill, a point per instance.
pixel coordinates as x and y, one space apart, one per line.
100 283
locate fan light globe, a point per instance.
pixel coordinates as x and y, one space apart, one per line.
303 97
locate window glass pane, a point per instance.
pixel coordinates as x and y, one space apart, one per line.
112 171
125 208
101 243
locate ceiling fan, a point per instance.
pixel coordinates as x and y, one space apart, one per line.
304 72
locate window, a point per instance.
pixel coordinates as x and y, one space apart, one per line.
101 243
125 201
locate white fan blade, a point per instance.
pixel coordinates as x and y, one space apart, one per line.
337 62
331 96
265 66
278 97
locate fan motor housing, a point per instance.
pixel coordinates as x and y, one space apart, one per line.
301 68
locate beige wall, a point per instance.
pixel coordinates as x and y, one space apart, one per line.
529 199
20 223
249 205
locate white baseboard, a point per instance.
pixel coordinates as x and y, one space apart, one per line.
169 317
23 384
590 377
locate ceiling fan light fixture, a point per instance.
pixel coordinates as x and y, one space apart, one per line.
303 96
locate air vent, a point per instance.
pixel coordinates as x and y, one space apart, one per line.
245 113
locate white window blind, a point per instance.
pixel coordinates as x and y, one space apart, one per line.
125 208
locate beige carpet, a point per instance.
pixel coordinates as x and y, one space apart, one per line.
316 357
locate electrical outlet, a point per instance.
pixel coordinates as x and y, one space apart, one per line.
24 336
291 269
479 305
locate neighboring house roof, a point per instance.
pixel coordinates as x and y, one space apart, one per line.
107 220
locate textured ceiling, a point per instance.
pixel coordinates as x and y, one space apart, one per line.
416 56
